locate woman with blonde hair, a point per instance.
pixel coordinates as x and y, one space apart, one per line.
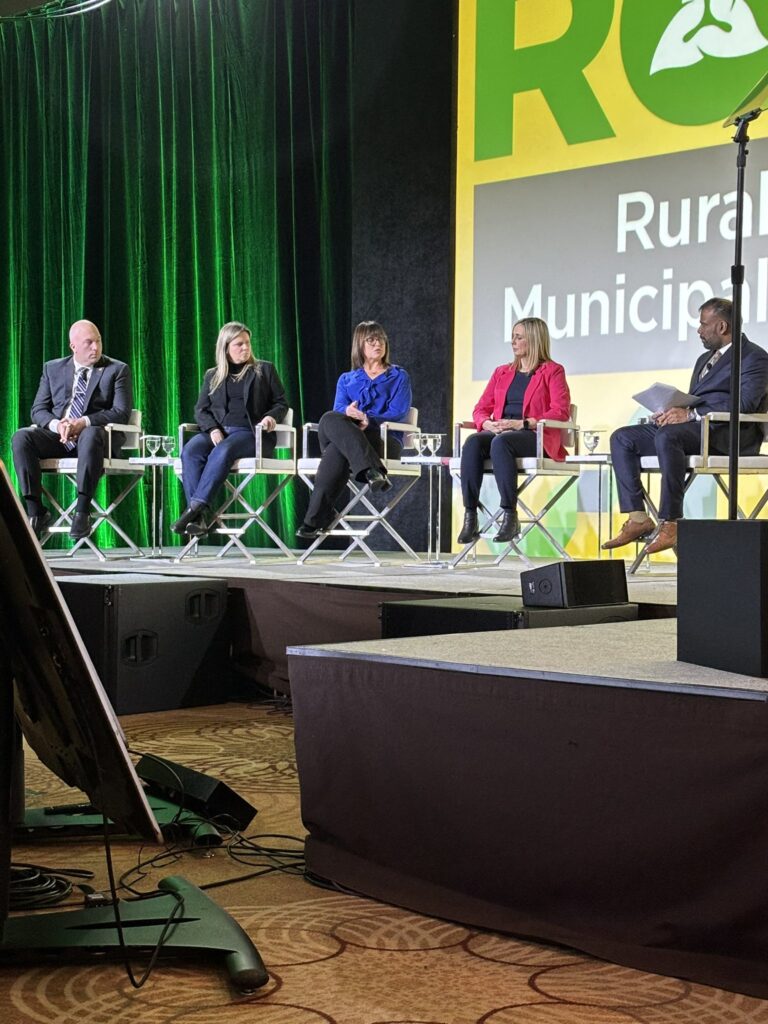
519 394
372 392
238 393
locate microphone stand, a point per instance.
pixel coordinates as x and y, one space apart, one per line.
737 281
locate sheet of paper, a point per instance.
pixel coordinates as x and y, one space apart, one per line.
661 397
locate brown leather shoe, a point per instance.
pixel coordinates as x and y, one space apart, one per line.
631 531
666 538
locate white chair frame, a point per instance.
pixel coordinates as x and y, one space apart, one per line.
708 464
531 468
236 515
114 466
358 526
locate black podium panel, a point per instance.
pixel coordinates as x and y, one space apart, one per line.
722 594
148 637
482 614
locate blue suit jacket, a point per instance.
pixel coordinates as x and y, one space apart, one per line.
109 398
715 393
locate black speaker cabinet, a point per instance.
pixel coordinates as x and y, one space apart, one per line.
149 635
722 595
481 614
572 584
211 798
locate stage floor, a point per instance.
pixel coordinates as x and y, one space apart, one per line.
654 585
626 654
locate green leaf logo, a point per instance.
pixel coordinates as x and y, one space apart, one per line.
692 61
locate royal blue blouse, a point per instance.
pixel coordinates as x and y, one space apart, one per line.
386 397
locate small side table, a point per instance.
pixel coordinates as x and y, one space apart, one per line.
601 461
156 463
433 465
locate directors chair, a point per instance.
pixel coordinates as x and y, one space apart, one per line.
708 464
532 468
236 514
360 517
115 465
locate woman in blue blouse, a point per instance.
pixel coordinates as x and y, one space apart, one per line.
374 391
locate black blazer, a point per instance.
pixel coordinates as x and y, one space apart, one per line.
264 396
715 393
109 398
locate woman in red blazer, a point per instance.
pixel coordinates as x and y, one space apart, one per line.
530 388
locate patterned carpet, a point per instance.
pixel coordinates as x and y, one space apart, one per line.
331 957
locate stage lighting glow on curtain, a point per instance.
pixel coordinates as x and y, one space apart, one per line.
166 167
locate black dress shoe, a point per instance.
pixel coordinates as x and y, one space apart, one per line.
40 524
509 527
186 517
201 524
377 480
308 532
469 530
81 526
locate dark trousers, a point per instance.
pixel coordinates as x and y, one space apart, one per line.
672 444
31 444
503 450
346 451
205 465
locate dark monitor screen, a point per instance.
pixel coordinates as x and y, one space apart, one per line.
59 701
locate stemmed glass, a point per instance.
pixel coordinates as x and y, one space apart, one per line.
421 443
152 442
168 445
434 441
591 440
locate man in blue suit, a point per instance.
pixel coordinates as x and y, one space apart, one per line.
77 396
676 434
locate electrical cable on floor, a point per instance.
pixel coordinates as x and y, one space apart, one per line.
32 886
176 911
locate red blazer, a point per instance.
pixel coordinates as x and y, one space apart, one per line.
546 398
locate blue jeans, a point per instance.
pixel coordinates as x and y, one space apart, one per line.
204 465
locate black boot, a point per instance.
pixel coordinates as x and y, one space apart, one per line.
469 530
201 524
377 480
509 527
186 517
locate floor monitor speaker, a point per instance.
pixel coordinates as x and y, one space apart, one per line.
156 641
196 791
722 594
572 584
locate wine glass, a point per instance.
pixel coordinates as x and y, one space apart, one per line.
434 441
152 442
168 444
591 440
421 443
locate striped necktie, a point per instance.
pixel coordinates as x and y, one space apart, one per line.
710 363
78 402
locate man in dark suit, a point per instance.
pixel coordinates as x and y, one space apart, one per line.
77 396
675 434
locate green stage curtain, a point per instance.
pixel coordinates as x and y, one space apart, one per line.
167 166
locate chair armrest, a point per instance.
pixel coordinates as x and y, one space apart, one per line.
305 432
555 424
121 428
725 417
186 428
457 429
407 429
